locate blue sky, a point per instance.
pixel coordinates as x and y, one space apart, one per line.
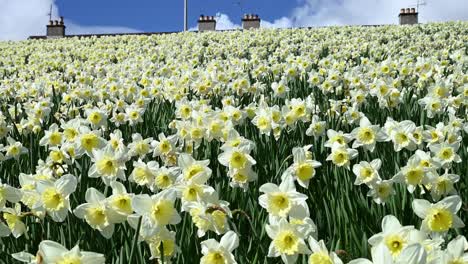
22 18
159 15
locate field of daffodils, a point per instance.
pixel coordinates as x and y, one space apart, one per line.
321 146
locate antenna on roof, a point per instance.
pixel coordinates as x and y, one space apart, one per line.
50 13
420 3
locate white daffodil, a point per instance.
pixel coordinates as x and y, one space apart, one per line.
52 137
456 252
120 200
394 236
96 117
14 149
320 253
107 165
413 175
367 135
143 173
8 193
242 177
367 173
12 217
163 243
164 145
337 137
139 146
97 213
157 210
210 214
316 127
380 191
438 218
282 200
445 153
401 136
237 157
303 168
192 192
341 155
287 241
196 171
52 252
88 141
55 196
215 252
443 185
412 254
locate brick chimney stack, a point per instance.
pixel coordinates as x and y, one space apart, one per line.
250 21
408 16
206 23
56 29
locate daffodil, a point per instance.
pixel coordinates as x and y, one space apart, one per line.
193 170
282 200
120 200
367 135
438 218
97 213
445 153
55 196
287 242
320 253
303 169
367 172
139 146
53 252
144 174
108 164
52 137
156 211
215 252
394 236
237 157
163 243
13 221
341 155
10 194
381 191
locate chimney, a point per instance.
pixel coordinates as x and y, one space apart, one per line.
250 21
56 29
206 23
408 16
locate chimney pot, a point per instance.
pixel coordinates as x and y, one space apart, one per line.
408 16
56 29
251 21
206 23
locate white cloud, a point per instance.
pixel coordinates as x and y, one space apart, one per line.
223 22
373 12
365 12
283 22
20 19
